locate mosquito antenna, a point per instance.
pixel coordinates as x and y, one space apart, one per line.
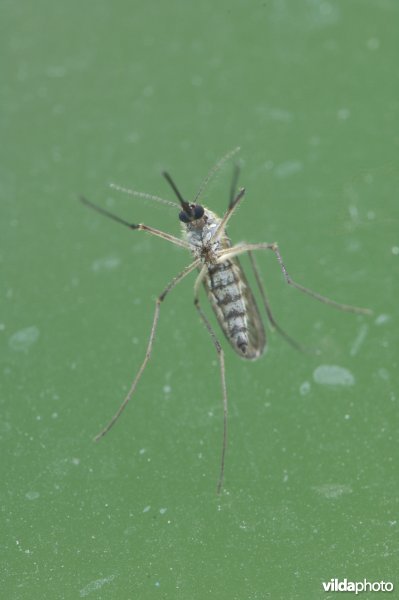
107 213
234 182
185 205
144 195
214 170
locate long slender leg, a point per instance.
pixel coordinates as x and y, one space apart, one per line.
199 280
258 278
220 354
228 214
242 248
136 226
133 386
266 304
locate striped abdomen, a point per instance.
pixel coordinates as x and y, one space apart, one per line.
235 308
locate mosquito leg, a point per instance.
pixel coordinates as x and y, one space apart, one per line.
266 304
220 354
228 214
242 248
134 226
199 280
133 386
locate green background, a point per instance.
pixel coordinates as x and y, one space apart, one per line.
94 92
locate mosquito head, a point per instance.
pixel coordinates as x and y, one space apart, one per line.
190 212
193 212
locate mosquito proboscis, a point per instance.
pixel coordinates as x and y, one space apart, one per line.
225 283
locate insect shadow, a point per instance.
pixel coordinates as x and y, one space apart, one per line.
223 278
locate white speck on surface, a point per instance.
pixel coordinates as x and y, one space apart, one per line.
304 388
268 165
197 81
395 250
381 319
105 264
333 490
167 389
56 71
343 114
95 585
373 43
75 461
368 178
31 495
353 212
314 140
288 168
280 114
353 245
148 91
146 509
5 427
142 451
163 510
384 374
23 339
361 336
133 137
333 375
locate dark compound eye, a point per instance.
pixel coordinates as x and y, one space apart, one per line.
198 211
183 216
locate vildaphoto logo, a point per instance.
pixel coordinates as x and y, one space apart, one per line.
345 585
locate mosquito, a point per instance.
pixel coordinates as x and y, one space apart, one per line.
221 274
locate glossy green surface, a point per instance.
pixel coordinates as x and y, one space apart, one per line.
96 92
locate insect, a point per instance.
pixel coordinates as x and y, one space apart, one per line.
225 283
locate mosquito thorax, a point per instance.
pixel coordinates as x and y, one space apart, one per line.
200 234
